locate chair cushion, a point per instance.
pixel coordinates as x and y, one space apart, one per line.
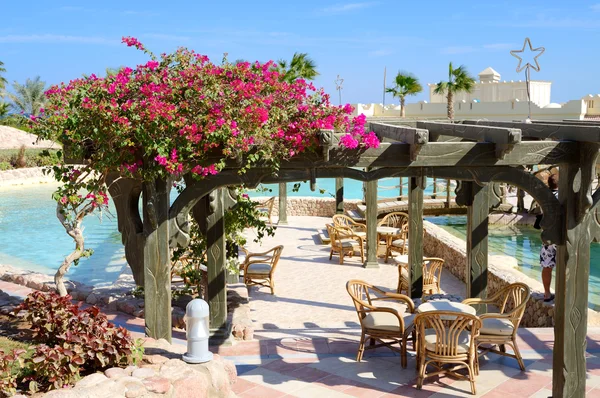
387 321
404 273
348 242
399 243
496 327
463 341
362 234
259 269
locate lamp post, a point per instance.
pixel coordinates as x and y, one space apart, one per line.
197 333
338 86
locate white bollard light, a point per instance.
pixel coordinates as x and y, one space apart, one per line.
196 313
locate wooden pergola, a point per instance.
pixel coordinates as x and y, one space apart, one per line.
477 154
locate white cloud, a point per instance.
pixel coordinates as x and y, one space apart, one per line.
458 50
51 38
498 46
347 7
379 53
167 37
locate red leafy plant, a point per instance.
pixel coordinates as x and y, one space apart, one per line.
75 341
10 364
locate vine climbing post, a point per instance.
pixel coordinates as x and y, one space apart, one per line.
157 258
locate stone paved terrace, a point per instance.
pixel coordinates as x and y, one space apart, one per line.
310 290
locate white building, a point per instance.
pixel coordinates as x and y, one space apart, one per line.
491 89
493 99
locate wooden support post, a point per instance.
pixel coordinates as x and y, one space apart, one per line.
401 188
520 200
415 235
448 195
282 204
372 242
572 278
215 256
478 209
157 259
434 188
339 195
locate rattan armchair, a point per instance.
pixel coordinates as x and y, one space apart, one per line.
500 329
259 268
343 221
396 243
432 274
343 242
266 208
445 338
382 324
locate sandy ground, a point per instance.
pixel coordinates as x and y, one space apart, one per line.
11 138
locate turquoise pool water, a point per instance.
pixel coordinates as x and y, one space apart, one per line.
353 189
31 237
524 244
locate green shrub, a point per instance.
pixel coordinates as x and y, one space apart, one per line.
5 166
10 365
33 158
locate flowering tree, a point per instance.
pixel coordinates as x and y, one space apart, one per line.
161 120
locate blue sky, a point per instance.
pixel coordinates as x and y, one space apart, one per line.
60 40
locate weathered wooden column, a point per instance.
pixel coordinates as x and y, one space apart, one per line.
372 243
282 204
434 195
401 187
215 256
572 278
339 195
448 193
415 235
157 259
476 198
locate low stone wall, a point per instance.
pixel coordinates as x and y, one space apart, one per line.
440 243
30 175
310 206
162 373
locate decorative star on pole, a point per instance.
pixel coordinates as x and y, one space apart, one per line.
539 50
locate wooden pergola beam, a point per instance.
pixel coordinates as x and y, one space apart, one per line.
540 130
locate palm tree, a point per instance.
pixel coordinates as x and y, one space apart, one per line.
459 80
300 67
406 84
29 98
2 79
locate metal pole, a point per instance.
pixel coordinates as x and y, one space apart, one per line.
384 72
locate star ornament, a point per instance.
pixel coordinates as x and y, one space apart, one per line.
539 51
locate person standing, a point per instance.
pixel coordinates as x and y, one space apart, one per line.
548 252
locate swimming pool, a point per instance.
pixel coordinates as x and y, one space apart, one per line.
33 239
524 244
353 189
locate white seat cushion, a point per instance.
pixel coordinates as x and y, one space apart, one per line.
387 321
362 234
463 341
404 273
259 269
400 243
348 242
496 327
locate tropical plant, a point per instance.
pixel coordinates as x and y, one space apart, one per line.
405 84
300 67
459 80
29 98
2 79
4 108
171 116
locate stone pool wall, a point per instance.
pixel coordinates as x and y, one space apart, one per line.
440 243
310 206
29 175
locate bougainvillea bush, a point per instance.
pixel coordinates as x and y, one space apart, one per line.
164 118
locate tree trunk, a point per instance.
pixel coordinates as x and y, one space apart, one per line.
450 105
75 232
402 108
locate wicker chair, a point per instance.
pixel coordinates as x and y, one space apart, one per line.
381 324
432 274
342 221
259 268
500 329
446 337
343 242
266 208
398 242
